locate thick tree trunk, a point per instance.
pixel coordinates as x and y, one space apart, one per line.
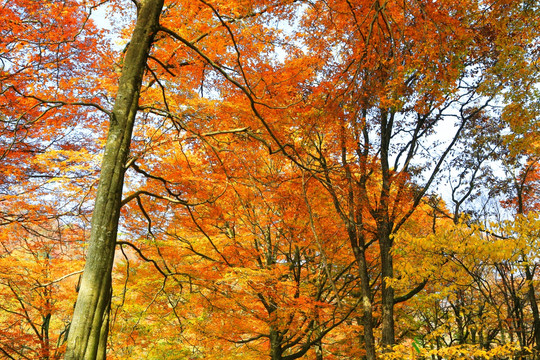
276 352
367 306
89 327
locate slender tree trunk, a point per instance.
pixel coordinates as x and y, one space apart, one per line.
89 327
531 294
384 230
319 351
387 291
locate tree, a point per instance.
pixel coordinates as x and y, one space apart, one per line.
258 275
88 331
378 106
350 93
386 103
52 57
36 288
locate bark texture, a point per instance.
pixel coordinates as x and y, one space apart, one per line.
89 326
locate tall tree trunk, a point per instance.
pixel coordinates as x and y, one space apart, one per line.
89 326
384 230
529 276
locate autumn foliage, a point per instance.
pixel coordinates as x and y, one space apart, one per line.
340 179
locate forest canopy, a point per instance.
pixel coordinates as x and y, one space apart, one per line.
269 179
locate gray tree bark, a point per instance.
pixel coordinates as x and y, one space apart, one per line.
89 326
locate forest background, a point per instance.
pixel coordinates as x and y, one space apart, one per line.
340 179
